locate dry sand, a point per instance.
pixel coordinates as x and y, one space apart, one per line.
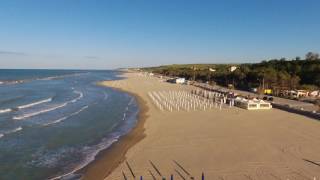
231 143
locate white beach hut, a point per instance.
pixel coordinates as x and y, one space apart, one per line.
180 80
254 104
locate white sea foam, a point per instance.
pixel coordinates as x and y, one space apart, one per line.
49 78
124 116
127 109
78 98
91 154
131 101
14 130
59 76
5 110
24 116
77 112
34 103
26 105
10 82
66 117
11 131
105 96
55 121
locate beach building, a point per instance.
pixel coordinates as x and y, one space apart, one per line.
233 68
302 93
315 93
254 104
180 80
177 80
296 93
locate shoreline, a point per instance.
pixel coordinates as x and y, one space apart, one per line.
216 142
109 159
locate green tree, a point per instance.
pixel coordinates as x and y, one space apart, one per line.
283 79
311 56
294 82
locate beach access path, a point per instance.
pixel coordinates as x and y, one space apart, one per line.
231 143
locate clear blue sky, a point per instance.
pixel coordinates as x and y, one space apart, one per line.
108 34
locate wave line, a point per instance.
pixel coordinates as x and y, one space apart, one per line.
66 117
11 131
38 112
46 110
34 103
5 110
14 130
78 98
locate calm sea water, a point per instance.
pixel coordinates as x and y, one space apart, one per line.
53 122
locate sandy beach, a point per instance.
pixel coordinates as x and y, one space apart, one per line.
231 143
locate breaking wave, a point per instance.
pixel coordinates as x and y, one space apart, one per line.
11 131
26 105
78 98
91 153
66 117
35 103
24 116
14 130
28 115
5 110
60 76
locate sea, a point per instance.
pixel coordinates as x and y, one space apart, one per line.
54 122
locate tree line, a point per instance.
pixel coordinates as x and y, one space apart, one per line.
277 74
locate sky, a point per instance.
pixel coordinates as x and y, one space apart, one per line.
108 34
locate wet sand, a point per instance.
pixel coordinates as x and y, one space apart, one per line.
231 143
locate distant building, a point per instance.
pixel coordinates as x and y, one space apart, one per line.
180 80
177 80
253 104
233 68
315 93
302 93
296 93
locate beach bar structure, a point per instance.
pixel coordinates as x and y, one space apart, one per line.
177 80
254 104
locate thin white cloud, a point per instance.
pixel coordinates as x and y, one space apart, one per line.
92 57
12 53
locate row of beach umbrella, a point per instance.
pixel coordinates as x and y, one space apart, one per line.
193 100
